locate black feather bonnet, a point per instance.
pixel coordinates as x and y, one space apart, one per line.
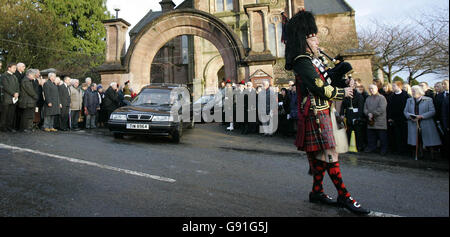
298 28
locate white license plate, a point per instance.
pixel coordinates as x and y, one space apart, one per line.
138 126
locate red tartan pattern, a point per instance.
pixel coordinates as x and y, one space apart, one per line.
316 140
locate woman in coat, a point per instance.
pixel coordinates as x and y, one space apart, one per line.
375 110
76 103
421 109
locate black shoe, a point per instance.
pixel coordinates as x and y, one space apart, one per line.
351 205
321 198
11 130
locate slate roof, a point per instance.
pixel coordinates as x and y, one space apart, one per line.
186 4
151 15
323 7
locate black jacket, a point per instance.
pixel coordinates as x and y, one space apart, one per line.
353 109
285 108
19 76
438 106
10 86
445 113
308 81
28 95
38 89
111 101
64 95
396 106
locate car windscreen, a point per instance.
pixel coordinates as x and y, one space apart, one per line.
150 97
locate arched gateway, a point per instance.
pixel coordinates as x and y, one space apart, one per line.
135 65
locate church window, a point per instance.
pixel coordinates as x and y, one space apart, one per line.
276 47
224 5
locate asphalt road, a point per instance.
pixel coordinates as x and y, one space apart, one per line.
211 173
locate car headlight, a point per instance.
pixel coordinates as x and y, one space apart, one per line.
118 117
162 118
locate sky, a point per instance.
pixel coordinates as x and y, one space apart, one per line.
388 11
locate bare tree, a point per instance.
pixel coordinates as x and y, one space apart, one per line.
434 33
419 48
392 45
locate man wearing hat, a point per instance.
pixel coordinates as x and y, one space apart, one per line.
315 91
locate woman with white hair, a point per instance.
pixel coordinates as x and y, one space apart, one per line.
419 111
375 110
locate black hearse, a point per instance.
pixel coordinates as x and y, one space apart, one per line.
152 113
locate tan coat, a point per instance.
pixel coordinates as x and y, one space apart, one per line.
376 105
76 98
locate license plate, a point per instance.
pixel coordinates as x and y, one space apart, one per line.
137 126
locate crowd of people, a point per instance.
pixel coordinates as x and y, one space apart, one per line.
30 101
386 118
389 117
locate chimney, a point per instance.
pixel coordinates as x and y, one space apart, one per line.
167 5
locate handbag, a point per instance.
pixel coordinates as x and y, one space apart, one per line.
80 117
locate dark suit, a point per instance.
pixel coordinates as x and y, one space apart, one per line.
444 121
19 111
10 87
51 95
64 97
27 103
19 76
439 99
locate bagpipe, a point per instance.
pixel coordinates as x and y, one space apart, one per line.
341 68
340 75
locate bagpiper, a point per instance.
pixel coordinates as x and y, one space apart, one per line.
316 88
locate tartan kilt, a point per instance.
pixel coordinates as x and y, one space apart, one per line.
316 140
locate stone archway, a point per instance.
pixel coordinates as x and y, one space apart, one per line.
210 73
154 35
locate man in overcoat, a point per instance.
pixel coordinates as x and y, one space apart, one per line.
64 97
52 103
27 100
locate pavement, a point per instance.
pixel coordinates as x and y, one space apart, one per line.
282 145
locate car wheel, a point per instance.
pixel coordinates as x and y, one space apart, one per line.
118 135
176 135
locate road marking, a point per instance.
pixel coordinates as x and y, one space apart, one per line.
89 163
381 214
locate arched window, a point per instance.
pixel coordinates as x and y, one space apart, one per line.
276 47
224 5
